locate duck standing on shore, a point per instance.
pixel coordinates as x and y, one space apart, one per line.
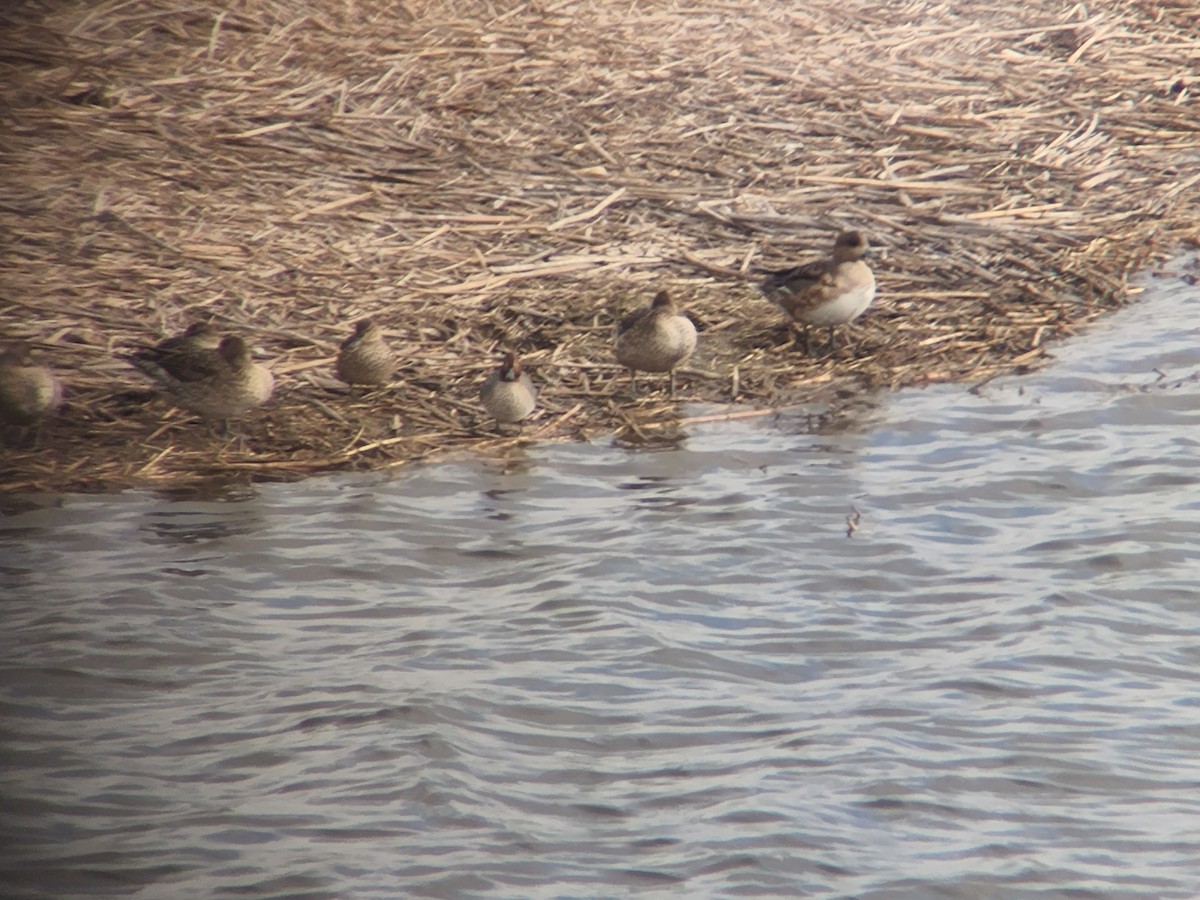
185 354
827 293
365 357
656 338
508 394
216 384
28 390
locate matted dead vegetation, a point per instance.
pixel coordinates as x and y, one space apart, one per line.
480 176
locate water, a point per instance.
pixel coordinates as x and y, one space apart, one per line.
582 671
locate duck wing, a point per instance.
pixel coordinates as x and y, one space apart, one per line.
797 279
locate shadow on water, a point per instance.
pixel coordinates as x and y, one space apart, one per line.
666 669
190 522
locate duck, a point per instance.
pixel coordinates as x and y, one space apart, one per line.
826 293
365 358
218 386
29 391
656 338
508 394
186 355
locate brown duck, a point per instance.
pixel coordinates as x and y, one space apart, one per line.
826 293
218 386
509 394
186 355
365 358
28 390
656 338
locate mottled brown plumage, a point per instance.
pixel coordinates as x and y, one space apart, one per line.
29 391
826 293
509 394
219 385
365 358
656 338
185 356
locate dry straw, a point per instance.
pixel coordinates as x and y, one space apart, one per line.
482 176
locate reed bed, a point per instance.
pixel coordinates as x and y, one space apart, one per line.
482 176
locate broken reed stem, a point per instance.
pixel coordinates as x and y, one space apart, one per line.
478 181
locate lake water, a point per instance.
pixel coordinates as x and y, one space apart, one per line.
589 671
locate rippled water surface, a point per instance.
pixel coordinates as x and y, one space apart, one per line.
585 671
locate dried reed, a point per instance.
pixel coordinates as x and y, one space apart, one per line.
479 176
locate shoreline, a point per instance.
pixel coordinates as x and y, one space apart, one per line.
521 180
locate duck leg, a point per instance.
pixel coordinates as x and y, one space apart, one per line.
800 337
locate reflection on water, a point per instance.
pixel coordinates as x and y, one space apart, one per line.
190 522
587 671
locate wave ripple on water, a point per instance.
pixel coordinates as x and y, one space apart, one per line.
588 672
